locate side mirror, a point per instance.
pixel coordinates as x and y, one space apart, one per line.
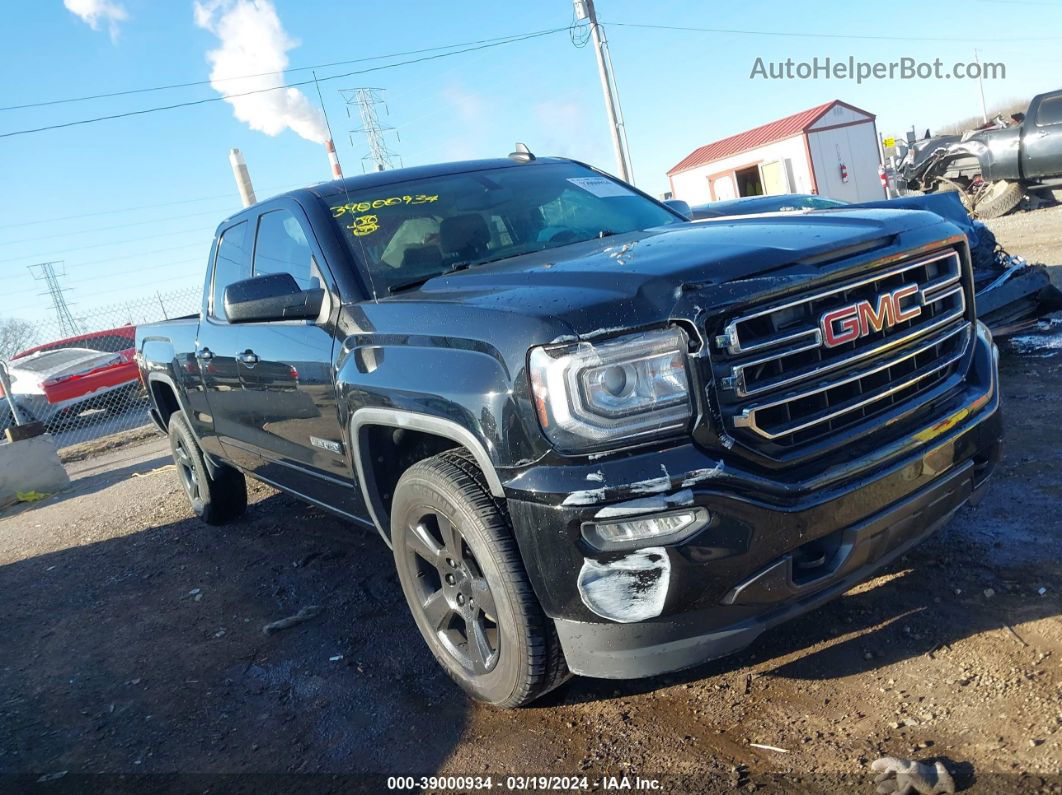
274 296
681 207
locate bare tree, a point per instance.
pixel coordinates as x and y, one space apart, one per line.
15 335
1005 108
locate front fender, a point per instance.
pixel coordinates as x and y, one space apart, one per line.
463 383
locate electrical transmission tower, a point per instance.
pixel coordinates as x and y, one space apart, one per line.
366 101
49 274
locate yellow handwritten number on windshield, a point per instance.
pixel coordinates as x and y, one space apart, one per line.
375 204
364 225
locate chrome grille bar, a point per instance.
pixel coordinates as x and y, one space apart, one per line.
778 381
864 353
747 418
730 338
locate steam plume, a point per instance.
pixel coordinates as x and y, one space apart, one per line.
92 12
253 41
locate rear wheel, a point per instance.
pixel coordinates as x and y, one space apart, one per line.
217 498
464 582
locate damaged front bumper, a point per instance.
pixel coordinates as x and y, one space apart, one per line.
768 551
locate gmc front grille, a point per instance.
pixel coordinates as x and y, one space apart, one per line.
779 385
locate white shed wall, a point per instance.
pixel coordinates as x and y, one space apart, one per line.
839 114
855 146
692 185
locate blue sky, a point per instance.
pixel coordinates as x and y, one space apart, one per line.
130 205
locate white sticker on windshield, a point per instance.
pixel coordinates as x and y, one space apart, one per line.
599 186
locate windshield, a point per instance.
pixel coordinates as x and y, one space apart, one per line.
411 231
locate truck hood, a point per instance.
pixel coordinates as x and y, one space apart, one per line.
637 279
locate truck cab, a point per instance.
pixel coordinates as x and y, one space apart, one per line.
600 439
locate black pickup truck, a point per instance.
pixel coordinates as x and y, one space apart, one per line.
599 438
992 168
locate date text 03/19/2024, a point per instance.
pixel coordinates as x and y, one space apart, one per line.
523 783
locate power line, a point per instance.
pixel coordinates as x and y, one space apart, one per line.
193 103
194 83
192 230
790 34
93 230
53 219
202 261
110 260
152 283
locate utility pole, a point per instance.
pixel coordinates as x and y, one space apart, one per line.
47 272
584 9
981 88
366 100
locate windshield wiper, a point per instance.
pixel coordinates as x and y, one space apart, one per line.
409 285
605 233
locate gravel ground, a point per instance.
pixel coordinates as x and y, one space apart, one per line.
1035 235
132 645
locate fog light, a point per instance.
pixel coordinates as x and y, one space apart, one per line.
635 531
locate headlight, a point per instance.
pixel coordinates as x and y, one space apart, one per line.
590 396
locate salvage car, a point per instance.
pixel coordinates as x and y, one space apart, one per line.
54 386
57 381
992 168
598 438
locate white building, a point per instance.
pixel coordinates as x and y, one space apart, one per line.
831 150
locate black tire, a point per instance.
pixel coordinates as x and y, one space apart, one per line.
464 581
998 200
215 499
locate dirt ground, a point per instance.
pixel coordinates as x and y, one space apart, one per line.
1035 235
132 645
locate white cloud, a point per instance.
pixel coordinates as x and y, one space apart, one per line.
94 12
253 42
567 131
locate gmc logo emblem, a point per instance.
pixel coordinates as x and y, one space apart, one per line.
857 320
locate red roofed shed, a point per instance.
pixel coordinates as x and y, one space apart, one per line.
831 149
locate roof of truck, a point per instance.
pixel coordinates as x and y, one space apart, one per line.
376 179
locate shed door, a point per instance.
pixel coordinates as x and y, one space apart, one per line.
773 178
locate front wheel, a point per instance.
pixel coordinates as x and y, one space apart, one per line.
217 498
997 199
464 582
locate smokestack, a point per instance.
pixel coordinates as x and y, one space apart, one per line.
333 159
243 177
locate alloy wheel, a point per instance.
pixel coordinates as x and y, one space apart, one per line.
186 470
453 597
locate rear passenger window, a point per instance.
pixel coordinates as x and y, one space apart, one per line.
228 267
1050 111
282 247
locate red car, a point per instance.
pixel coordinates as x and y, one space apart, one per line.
48 389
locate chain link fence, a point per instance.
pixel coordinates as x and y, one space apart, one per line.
79 377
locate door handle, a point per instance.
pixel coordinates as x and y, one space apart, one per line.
205 354
248 357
